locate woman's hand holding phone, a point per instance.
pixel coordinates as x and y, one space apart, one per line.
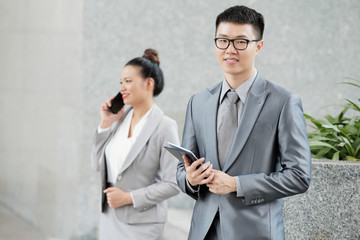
107 117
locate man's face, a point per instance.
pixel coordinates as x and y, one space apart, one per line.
237 63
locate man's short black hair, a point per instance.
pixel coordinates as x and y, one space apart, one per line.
243 15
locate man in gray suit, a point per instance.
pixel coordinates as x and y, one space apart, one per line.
251 137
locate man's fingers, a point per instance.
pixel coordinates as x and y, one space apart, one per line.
208 179
186 161
201 167
198 173
205 169
193 166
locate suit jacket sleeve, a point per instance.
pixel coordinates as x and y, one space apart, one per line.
189 142
98 147
167 187
293 156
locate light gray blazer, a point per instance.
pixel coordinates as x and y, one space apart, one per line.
270 155
148 172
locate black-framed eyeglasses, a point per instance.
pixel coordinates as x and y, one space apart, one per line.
239 44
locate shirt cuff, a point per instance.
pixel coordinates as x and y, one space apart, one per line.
133 200
189 187
239 190
100 130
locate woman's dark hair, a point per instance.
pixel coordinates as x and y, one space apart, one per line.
149 68
243 15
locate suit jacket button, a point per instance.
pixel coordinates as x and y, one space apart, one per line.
119 177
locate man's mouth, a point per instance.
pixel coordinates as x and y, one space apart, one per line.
231 60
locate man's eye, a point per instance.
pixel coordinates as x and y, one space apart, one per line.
241 41
223 40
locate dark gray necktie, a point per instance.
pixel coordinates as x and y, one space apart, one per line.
228 128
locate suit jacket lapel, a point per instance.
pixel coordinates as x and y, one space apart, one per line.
210 119
254 103
113 130
114 127
153 121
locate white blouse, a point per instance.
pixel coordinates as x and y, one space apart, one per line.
119 145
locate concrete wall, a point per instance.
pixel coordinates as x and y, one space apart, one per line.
61 59
44 167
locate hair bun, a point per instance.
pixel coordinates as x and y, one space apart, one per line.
152 55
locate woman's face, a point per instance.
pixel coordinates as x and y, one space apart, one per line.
134 88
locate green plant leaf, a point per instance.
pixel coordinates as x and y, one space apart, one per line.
336 156
317 123
338 137
357 151
332 120
322 151
350 150
350 158
351 83
353 120
321 138
330 126
354 105
323 144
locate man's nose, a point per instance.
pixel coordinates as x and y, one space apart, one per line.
231 48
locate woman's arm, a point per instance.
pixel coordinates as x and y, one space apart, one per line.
167 187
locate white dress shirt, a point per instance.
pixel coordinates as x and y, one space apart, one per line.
120 144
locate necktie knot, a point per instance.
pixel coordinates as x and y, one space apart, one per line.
232 96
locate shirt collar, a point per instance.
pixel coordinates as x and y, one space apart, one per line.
242 90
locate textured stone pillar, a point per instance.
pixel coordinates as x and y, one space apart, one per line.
330 209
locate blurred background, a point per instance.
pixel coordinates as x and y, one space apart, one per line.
61 59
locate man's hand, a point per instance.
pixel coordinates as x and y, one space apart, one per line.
221 183
198 176
117 197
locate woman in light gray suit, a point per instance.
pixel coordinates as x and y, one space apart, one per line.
137 173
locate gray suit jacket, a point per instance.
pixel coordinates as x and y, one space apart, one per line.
148 172
270 155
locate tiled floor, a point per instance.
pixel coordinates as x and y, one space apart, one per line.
13 227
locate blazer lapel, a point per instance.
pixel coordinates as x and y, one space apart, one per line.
254 103
113 130
153 121
210 119
114 127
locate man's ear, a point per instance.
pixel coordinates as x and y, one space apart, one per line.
259 45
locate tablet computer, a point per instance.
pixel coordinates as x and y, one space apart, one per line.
178 152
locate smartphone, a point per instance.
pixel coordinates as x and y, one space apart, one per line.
116 104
